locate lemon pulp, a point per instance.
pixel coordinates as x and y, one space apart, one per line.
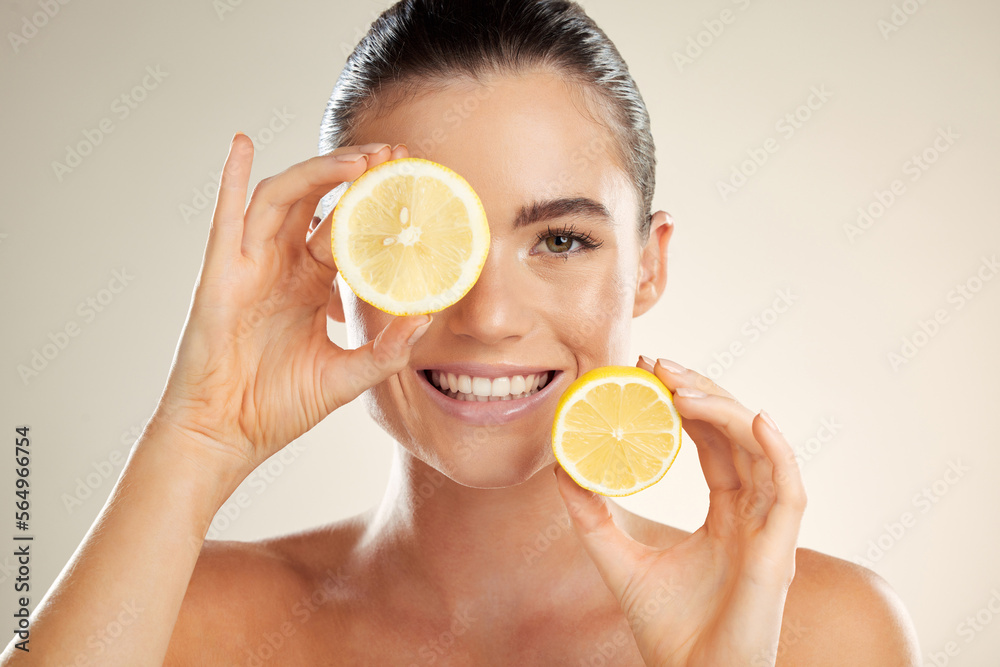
616 430
410 236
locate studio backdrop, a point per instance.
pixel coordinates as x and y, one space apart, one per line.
831 168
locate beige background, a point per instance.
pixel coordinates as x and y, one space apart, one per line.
896 430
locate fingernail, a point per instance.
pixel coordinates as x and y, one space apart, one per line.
419 332
350 157
770 422
372 148
396 147
671 366
646 360
688 392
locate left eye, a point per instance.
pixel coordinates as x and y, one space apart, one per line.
559 243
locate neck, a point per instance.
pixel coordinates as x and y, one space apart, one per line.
474 548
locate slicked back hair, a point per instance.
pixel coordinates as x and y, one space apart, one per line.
418 43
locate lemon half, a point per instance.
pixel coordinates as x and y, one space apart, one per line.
616 430
410 236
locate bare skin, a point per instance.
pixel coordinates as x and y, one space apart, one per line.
357 610
450 568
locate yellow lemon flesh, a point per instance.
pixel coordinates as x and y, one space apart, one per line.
616 430
410 236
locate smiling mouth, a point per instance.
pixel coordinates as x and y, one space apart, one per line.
473 388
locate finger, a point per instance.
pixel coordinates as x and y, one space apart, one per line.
399 151
675 375
724 413
785 517
762 487
395 152
732 423
383 356
715 453
295 229
615 554
686 383
318 240
274 196
369 148
377 154
226 231
319 243
730 418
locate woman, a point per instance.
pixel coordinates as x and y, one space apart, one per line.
532 104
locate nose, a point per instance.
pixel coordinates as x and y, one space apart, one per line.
497 308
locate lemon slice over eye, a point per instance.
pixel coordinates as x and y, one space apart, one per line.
616 430
410 236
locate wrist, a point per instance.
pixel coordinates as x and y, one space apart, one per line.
203 467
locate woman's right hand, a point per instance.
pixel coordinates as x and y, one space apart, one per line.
254 368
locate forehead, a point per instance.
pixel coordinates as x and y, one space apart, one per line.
517 139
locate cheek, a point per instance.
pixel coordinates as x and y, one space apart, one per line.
364 322
592 314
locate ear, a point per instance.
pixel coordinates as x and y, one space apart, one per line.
318 244
335 307
652 275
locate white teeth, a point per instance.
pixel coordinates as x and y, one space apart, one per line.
501 387
480 389
481 386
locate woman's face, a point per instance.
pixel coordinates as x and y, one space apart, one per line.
559 288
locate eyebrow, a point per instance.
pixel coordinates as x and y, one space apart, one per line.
550 209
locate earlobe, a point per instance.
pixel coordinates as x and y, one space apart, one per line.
651 277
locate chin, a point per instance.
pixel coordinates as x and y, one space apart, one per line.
495 462
497 471
476 456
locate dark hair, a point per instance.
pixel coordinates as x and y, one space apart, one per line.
418 43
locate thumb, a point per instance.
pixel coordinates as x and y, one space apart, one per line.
384 356
615 554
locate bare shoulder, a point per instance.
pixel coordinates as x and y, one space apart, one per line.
246 597
839 613
836 612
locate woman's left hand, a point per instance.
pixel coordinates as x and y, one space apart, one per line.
717 596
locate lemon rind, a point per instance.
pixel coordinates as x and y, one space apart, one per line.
621 375
363 187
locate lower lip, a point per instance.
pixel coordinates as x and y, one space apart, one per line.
487 412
